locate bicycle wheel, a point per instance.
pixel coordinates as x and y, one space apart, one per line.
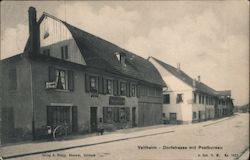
59 133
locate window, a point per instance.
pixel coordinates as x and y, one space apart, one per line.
64 52
61 79
202 98
179 98
194 97
12 79
194 115
206 100
64 79
107 114
133 90
123 89
93 85
109 87
122 59
166 99
199 99
46 52
116 114
172 116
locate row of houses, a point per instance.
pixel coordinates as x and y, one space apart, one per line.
67 75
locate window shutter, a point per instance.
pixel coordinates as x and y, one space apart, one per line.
118 88
71 80
100 84
115 87
128 113
138 91
105 86
52 74
128 89
87 83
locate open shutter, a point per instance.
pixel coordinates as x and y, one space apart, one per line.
138 91
115 87
71 80
99 84
104 85
87 83
52 74
118 88
127 89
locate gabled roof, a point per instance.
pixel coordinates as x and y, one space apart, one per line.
201 87
100 53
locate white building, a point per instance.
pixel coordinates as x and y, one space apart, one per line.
185 99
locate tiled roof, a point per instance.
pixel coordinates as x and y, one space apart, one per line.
100 53
201 87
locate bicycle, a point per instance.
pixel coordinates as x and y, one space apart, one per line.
60 132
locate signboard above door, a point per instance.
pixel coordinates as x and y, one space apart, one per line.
116 100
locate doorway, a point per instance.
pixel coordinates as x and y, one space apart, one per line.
173 118
93 119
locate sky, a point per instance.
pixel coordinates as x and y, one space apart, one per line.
208 38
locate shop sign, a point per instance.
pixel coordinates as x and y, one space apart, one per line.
116 100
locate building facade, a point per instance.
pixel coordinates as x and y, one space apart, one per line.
187 100
69 76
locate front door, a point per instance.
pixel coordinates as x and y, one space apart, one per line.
93 118
133 117
173 118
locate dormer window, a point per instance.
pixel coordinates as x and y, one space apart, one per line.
64 52
121 58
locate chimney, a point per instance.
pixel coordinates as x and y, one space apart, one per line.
179 66
199 78
34 32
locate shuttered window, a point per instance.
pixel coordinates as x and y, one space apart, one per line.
123 89
132 90
115 89
109 86
64 79
127 89
100 85
93 84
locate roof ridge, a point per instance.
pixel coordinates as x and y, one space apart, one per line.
179 73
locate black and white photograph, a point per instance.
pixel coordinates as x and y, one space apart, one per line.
124 80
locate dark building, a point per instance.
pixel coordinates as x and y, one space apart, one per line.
71 76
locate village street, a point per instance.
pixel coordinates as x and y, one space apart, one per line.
225 138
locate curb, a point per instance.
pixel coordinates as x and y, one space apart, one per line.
79 146
226 118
